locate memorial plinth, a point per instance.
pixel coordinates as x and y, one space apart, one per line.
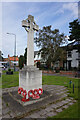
30 77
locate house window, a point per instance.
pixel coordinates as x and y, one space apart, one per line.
69 54
79 64
79 55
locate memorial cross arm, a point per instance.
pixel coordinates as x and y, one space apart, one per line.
29 24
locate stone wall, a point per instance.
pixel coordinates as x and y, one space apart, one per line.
48 71
68 73
72 73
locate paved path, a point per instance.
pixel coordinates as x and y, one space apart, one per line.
54 101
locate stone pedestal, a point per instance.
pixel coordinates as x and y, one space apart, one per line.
30 78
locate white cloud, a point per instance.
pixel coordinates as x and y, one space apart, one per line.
73 7
68 12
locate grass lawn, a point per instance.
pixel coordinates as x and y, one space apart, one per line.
72 111
0 82
10 80
63 81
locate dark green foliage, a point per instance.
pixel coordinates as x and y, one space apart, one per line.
74 30
9 69
49 41
21 61
25 56
38 64
1 58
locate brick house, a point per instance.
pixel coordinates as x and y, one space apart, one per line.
73 55
12 60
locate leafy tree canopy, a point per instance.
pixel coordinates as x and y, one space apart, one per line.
1 58
21 61
74 30
25 56
49 41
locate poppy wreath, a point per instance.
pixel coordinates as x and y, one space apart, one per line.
31 93
36 94
40 91
24 96
20 90
36 91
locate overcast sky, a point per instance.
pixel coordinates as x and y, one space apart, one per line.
57 14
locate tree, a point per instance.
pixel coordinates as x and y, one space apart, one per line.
1 58
49 41
25 56
21 61
74 30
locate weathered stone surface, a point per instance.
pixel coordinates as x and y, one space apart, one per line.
5 111
30 77
0 112
6 116
34 115
69 100
74 101
54 106
42 112
65 95
12 115
64 101
50 114
30 26
66 106
70 103
0 116
59 110
49 108
44 117
50 103
3 104
9 89
59 104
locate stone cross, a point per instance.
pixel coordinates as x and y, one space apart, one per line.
30 26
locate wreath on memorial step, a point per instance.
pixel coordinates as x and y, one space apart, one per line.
40 91
31 93
20 90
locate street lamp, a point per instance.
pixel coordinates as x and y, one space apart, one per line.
14 49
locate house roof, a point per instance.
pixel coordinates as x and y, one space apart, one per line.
11 58
5 59
74 43
14 58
